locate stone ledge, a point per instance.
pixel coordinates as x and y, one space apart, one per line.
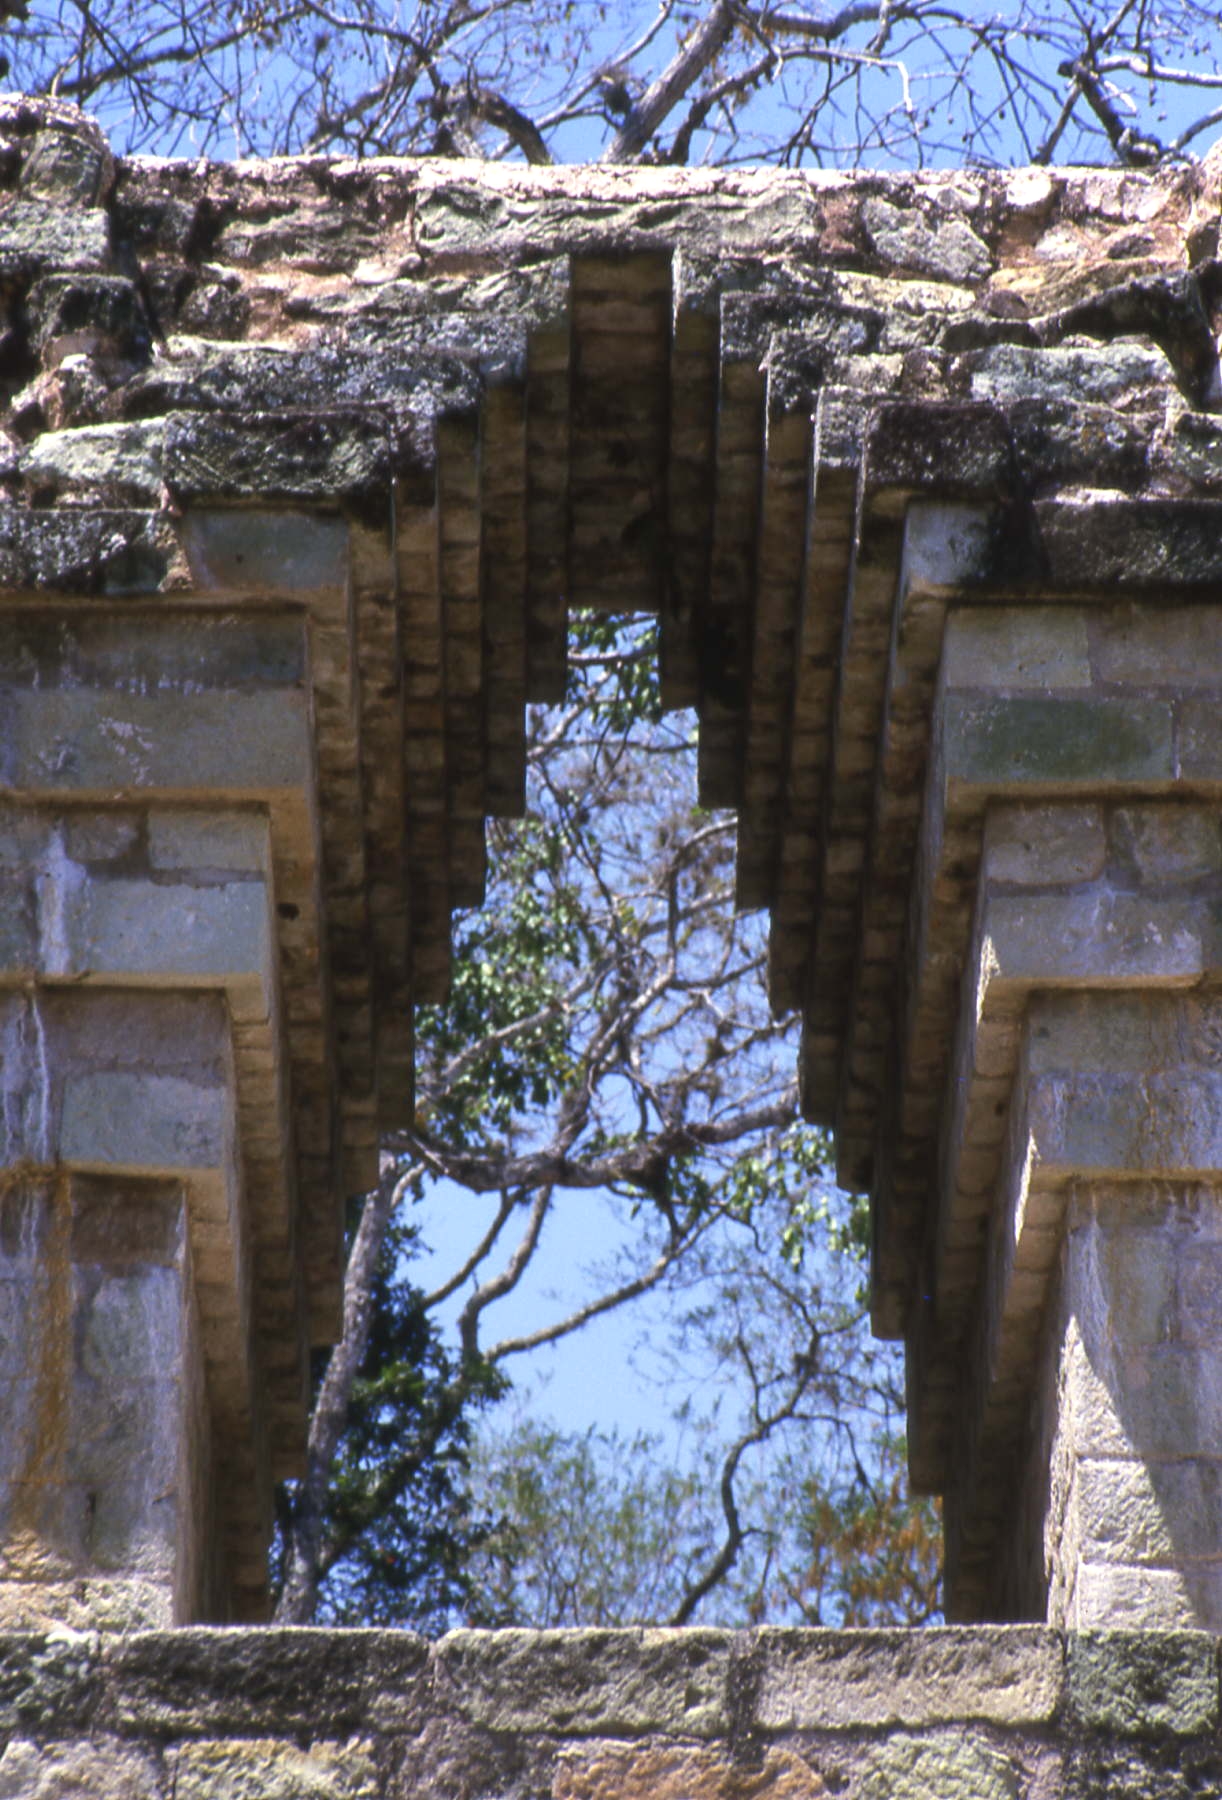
982 1713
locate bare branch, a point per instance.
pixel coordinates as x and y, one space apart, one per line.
617 1297
506 1281
681 73
471 1262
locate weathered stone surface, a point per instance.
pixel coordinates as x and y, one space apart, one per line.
570 1682
39 234
944 246
998 742
91 553
83 1771
1143 1684
225 1683
325 459
1034 845
1043 648
958 1767
48 1684
1102 376
107 465
67 158
610 1771
71 314
286 551
264 1715
280 576
822 1680
265 1769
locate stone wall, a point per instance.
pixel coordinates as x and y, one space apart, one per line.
1001 1713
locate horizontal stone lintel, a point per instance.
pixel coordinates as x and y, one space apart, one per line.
571 1686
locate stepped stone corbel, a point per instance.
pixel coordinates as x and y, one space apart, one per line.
302 466
1047 1155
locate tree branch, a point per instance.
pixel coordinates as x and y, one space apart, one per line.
684 69
303 1562
629 1164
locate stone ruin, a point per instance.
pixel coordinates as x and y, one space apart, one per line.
303 464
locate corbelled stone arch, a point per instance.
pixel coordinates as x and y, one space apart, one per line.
307 462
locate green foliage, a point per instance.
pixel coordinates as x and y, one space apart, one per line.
607 1028
787 1173
589 1528
400 1528
867 1552
511 961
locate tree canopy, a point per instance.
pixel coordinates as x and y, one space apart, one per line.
898 82
608 1033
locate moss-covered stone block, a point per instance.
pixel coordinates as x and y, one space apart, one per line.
992 742
944 1766
1145 1683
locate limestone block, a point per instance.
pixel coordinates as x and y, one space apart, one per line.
38 234
1161 845
935 244
1042 648
958 1766
995 743
273 1769
91 315
1034 846
822 1680
212 842
101 464
1123 1597
117 650
1126 1032
86 1603
1200 744
223 1683
119 553
68 159
320 457
1096 936
1104 374
84 1080
1165 646
49 1684
604 1770
60 741
1165 1124
112 1118
1199 1294
249 551
89 836
79 1771
101 1435
1136 1513
220 934
577 1681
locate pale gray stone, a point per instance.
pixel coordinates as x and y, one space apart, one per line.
959 1767
80 1771
271 1769
946 247
826 1680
